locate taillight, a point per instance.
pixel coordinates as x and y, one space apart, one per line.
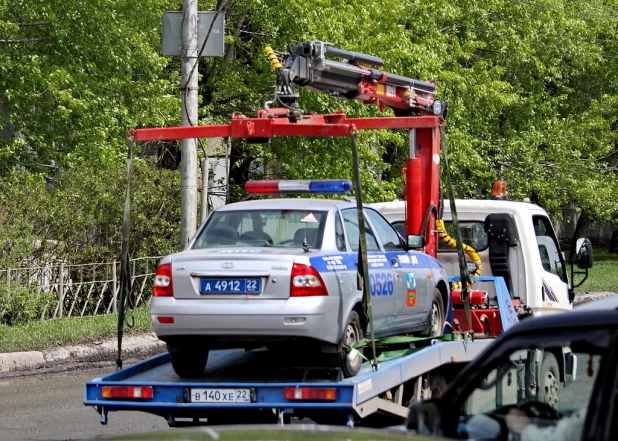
163 281
310 393
306 281
143 392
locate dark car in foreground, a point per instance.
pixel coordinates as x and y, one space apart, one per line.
500 397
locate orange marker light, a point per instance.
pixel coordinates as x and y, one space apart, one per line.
498 190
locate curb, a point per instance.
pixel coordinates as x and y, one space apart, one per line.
133 345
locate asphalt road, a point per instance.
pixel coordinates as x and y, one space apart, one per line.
50 406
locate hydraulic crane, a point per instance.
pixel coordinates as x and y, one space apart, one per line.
351 76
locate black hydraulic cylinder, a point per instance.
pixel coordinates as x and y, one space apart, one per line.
354 56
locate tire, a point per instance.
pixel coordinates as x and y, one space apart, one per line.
352 333
435 320
549 380
188 363
432 386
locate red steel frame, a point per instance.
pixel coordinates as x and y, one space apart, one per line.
422 172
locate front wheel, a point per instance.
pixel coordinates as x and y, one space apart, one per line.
549 380
435 320
352 333
188 363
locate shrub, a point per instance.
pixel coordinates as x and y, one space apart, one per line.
20 305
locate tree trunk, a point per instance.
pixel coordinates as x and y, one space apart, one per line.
613 242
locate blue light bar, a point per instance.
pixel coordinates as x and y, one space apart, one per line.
324 186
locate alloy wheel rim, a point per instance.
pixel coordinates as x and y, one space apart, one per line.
435 318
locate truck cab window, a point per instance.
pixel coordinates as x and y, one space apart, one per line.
549 250
472 234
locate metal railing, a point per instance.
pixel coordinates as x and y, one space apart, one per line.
81 290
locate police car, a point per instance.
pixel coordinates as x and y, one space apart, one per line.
281 273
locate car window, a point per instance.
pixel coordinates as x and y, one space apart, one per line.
523 397
262 228
385 231
400 226
549 251
472 234
339 234
350 220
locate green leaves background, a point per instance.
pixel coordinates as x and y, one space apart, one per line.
532 88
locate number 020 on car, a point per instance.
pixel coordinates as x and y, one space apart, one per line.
221 395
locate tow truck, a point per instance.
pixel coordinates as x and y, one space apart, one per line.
403 369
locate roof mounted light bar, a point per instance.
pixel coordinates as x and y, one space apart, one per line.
324 186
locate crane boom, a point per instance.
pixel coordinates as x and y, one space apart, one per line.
306 65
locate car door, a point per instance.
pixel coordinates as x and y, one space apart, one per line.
413 290
514 391
381 275
553 269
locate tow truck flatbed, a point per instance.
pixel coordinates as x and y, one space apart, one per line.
268 390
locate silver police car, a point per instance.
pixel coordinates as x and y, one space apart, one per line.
282 273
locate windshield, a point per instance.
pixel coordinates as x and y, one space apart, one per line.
263 228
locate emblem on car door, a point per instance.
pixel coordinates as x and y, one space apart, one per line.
227 265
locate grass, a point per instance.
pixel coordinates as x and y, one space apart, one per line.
46 334
41 335
603 276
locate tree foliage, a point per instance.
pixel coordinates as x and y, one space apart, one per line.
531 87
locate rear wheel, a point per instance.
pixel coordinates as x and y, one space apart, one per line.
352 333
436 317
188 362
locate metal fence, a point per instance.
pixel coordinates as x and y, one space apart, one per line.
80 290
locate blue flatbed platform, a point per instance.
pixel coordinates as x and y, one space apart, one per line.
266 380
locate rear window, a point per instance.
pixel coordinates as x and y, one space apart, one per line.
262 228
472 234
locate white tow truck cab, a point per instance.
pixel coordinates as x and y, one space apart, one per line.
514 240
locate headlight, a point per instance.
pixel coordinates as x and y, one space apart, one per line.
437 107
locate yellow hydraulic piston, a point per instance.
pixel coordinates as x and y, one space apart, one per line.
452 243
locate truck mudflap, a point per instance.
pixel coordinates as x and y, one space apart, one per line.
245 387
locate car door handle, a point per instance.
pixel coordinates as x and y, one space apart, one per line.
394 261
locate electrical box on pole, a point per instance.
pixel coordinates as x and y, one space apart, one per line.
171 42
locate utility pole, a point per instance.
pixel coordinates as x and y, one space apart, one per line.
188 163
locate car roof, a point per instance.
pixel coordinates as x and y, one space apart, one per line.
596 314
288 204
465 205
605 304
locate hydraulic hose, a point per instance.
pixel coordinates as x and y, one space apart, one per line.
452 243
272 57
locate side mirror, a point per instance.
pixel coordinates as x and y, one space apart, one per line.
423 417
584 257
415 241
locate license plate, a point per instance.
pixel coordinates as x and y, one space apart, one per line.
230 286
226 395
